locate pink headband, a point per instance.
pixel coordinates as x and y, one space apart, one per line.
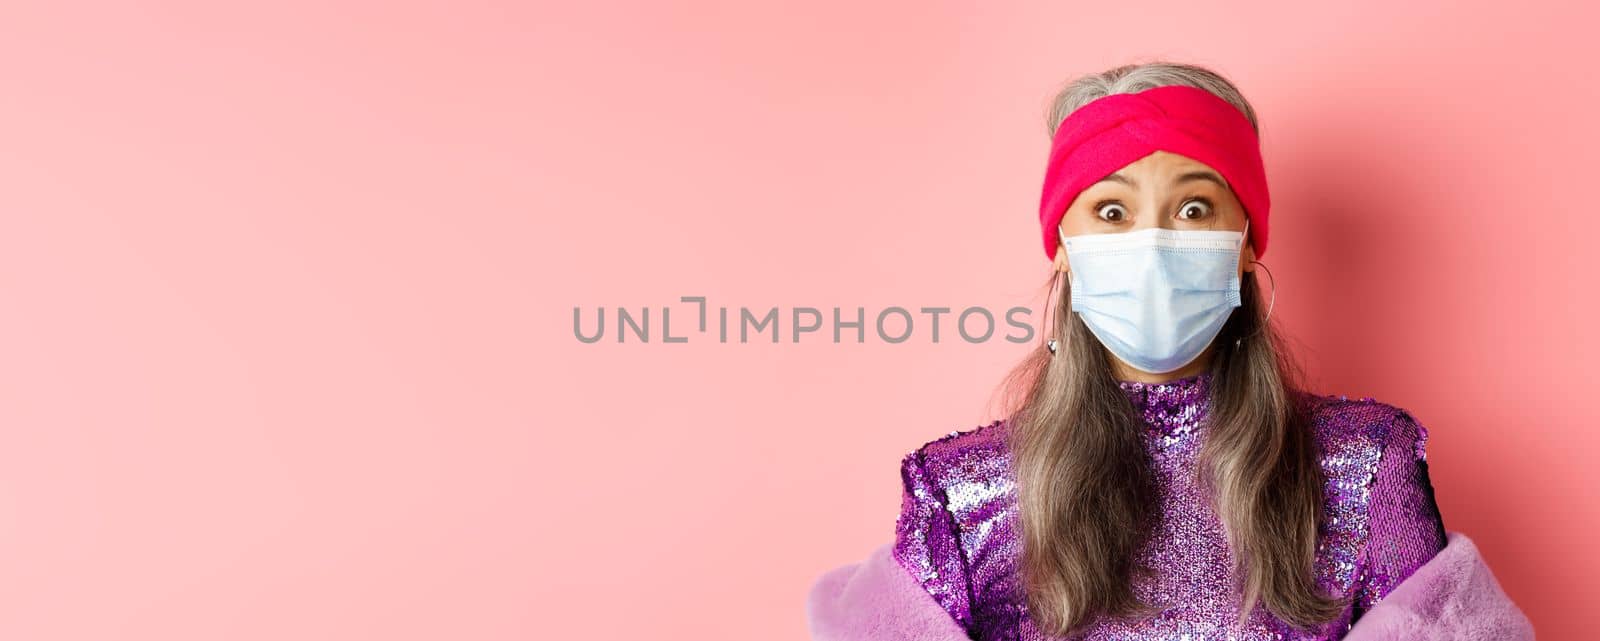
1109 133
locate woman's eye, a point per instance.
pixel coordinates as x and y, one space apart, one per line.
1111 212
1194 210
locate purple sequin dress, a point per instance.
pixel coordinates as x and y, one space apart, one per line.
957 532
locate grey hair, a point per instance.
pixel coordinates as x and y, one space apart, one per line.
1139 77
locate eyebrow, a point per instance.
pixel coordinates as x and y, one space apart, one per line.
1183 178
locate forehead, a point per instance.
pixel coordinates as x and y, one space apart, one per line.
1164 161
1161 170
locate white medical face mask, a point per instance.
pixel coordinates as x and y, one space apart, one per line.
1155 297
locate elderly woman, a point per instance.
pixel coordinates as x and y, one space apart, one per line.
1163 475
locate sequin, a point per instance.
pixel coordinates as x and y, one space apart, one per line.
957 531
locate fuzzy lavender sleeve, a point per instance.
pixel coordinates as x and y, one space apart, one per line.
1454 596
876 600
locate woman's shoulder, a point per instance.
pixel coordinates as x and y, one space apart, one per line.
1363 427
973 449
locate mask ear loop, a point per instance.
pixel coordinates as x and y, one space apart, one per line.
1239 341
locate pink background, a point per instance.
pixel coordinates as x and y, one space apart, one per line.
288 346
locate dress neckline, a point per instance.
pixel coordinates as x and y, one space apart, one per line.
1171 408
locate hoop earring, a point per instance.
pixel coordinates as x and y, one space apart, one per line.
1051 343
1237 342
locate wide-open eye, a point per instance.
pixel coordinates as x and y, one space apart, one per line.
1111 212
1194 209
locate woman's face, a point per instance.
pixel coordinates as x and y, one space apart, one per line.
1164 190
